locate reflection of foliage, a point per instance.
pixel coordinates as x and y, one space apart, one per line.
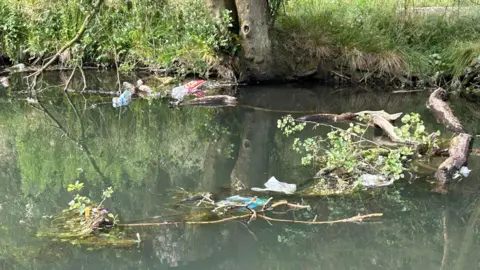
125 147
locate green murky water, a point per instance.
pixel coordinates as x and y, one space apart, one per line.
146 150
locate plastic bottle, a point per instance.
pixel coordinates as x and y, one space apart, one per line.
124 99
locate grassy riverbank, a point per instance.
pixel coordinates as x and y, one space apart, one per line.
128 33
385 37
382 36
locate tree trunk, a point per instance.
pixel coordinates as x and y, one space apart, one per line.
250 21
256 52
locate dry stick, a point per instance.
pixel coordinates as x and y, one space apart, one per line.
79 35
348 116
289 204
184 222
358 218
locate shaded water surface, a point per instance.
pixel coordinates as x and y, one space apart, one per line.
147 150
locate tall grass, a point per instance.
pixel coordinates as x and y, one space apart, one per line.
384 36
131 33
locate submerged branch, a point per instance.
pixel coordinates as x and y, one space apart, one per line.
358 218
348 116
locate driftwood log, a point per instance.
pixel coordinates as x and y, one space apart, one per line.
459 146
442 111
458 153
381 120
348 116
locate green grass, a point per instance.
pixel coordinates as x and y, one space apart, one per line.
380 36
155 33
377 36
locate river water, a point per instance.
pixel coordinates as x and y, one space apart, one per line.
147 151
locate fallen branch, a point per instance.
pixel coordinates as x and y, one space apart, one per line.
442 111
458 153
348 116
459 145
321 117
358 218
386 126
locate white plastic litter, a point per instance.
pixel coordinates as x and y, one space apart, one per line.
372 180
276 186
465 171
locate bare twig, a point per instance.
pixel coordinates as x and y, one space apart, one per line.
354 219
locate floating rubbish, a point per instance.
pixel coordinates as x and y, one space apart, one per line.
190 88
276 186
128 86
373 180
4 82
236 201
17 67
143 90
124 99
464 171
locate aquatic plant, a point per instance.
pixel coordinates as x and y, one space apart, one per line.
85 222
348 159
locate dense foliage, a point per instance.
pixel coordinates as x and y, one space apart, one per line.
347 157
126 33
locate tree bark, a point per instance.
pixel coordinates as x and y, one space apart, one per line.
442 112
460 144
458 154
251 22
256 52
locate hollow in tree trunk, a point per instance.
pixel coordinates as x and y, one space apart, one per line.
256 53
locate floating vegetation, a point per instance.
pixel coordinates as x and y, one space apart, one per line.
87 223
350 161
